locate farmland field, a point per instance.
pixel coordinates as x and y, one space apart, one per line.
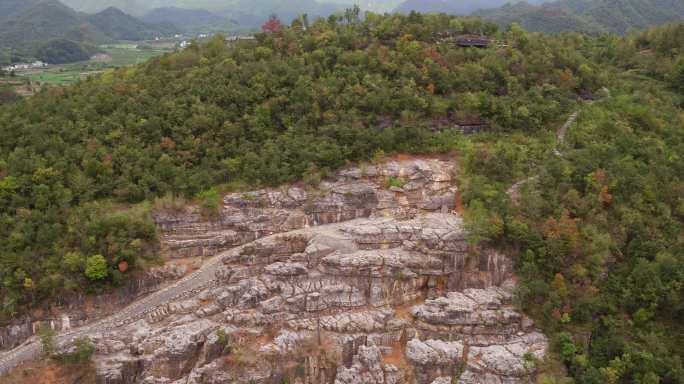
128 54
113 56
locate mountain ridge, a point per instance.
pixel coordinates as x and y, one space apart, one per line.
459 7
250 13
35 24
615 16
184 18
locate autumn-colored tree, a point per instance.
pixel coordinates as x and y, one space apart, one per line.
605 196
272 25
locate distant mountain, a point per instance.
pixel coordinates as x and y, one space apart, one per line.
378 6
131 7
9 9
140 8
40 22
458 7
256 12
61 51
615 16
50 27
117 25
186 19
549 18
247 13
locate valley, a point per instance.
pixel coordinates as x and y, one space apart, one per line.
27 82
111 57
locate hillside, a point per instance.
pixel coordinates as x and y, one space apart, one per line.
60 51
593 16
38 23
246 13
35 23
131 7
186 19
255 12
456 7
9 9
547 17
590 216
117 25
377 6
616 16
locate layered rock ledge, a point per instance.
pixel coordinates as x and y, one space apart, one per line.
357 281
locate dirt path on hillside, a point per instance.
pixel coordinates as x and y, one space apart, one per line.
514 191
192 284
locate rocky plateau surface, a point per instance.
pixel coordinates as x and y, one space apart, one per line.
367 278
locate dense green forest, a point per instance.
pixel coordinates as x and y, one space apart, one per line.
59 51
596 231
599 225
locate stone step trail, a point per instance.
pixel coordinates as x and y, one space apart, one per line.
187 286
563 130
190 285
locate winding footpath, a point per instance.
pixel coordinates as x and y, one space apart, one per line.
187 286
562 131
514 190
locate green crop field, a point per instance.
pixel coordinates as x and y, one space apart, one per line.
119 55
59 78
130 55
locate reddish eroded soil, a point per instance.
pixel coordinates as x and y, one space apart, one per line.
46 371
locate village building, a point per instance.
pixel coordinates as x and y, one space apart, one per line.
24 66
232 40
470 41
467 125
472 126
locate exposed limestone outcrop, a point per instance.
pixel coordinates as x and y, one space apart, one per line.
73 311
367 368
435 352
355 193
356 282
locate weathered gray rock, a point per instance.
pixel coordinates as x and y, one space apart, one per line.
286 342
175 350
354 193
286 269
355 283
351 323
472 307
186 306
434 352
367 368
509 360
442 380
122 370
